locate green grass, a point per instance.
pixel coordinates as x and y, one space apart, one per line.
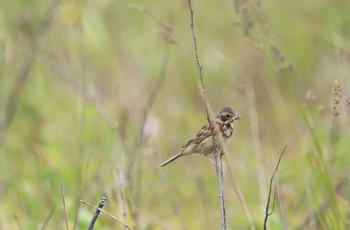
96 66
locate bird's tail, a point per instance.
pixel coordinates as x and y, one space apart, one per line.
171 159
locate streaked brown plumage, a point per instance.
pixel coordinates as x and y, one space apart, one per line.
202 143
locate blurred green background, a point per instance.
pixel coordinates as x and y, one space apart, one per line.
87 87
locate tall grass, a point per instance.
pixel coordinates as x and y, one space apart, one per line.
76 86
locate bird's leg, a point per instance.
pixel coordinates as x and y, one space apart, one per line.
217 151
216 167
211 159
222 153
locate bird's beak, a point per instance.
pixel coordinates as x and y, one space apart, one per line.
237 118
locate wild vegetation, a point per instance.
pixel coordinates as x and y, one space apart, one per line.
94 95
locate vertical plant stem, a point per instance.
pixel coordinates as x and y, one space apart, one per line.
97 213
64 203
122 196
267 208
220 180
106 213
218 168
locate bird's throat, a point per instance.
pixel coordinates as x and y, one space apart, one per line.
227 129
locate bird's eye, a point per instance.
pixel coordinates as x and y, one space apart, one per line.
228 115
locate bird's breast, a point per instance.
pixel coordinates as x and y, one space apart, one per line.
226 130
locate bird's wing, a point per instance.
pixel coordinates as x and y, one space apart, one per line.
201 135
193 143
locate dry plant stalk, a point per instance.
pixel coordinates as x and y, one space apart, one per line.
340 100
267 210
97 213
106 213
64 203
43 226
22 74
167 30
324 206
122 195
139 142
218 162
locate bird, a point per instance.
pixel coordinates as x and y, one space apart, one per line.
202 142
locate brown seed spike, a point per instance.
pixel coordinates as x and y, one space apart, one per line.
340 99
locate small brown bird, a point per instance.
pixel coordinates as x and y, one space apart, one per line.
202 143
